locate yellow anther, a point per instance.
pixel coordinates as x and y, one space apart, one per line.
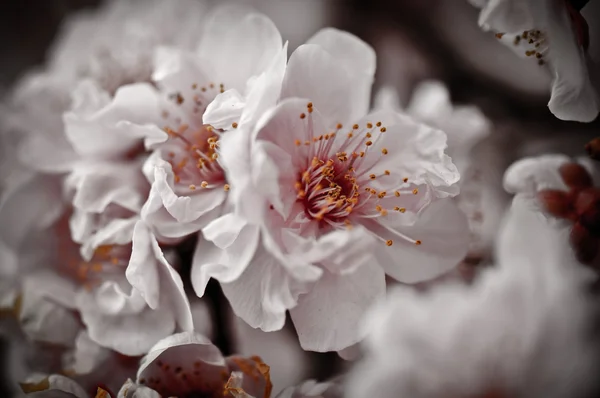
389 242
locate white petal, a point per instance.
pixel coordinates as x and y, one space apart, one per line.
415 151
225 263
112 298
318 75
444 234
93 126
151 274
235 145
238 45
328 317
185 209
506 16
224 230
142 270
263 293
98 184
530 175
172 286
357 57
573 96
224 110
129 334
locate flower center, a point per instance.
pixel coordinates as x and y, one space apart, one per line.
336 184
193 156
192 148
533 44
107 262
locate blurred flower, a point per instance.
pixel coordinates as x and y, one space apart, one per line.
565 190
521 330
556 35
187 177
323 194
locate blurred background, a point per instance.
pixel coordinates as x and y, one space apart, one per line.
415 41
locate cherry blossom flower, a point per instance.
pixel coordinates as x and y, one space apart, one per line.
521 330
188 364
189 184
326 184
555 35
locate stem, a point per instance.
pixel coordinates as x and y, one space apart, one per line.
222 319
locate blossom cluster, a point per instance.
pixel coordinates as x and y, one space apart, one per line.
180 147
